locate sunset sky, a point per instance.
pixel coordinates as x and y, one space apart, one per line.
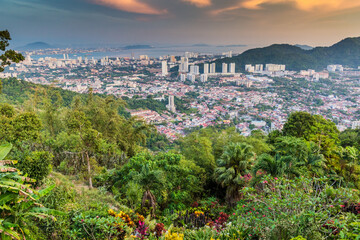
255 22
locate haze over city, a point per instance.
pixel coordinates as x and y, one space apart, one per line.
252 22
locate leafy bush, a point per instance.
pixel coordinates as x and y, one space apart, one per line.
37 165
288 208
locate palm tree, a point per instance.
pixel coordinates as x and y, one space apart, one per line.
132 133
231 168
269 164
315 161
149 179
292 146
277 166
349 159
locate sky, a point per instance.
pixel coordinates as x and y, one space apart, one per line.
251 22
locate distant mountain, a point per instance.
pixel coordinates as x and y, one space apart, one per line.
304 47
233 45
345 52
201 45
131 47
36 46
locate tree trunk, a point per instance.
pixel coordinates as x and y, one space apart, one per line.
233 196
149 201
89 170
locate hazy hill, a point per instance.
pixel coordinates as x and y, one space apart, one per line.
134 47
36 46
345 52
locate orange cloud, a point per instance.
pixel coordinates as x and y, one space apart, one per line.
199 3
305 5
133 6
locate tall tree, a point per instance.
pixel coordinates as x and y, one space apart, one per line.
232 167
7 56
90 138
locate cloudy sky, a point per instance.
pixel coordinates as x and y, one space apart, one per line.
253 22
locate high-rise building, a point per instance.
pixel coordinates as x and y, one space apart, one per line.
213 68
259 68
172 59
224 68
206 68
232 68
144 57
164 68
184 65
274 67
197 70
194 69
249 68
171 106
191 77
227 54
182 77
203 78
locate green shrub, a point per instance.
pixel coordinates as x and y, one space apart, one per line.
37 165
285 208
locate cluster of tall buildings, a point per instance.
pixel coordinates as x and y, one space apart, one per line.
335 68
227 54
268 68
184 65
208 69
228 68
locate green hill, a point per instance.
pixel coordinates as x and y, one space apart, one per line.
345 52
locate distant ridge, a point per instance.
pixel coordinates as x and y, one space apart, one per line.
201 45
130 47
304 47
36 46
233 45
345 52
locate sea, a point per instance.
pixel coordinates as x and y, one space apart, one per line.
154 52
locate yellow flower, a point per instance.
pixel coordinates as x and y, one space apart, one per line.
174 236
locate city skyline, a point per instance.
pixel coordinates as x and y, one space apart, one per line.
251 22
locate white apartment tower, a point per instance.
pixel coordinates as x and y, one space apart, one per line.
171 105
259 68
213 68
184 65
194 69
206 68
203 78
164 68
224 68
232 68
182 77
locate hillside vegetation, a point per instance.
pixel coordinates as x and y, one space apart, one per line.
345 52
